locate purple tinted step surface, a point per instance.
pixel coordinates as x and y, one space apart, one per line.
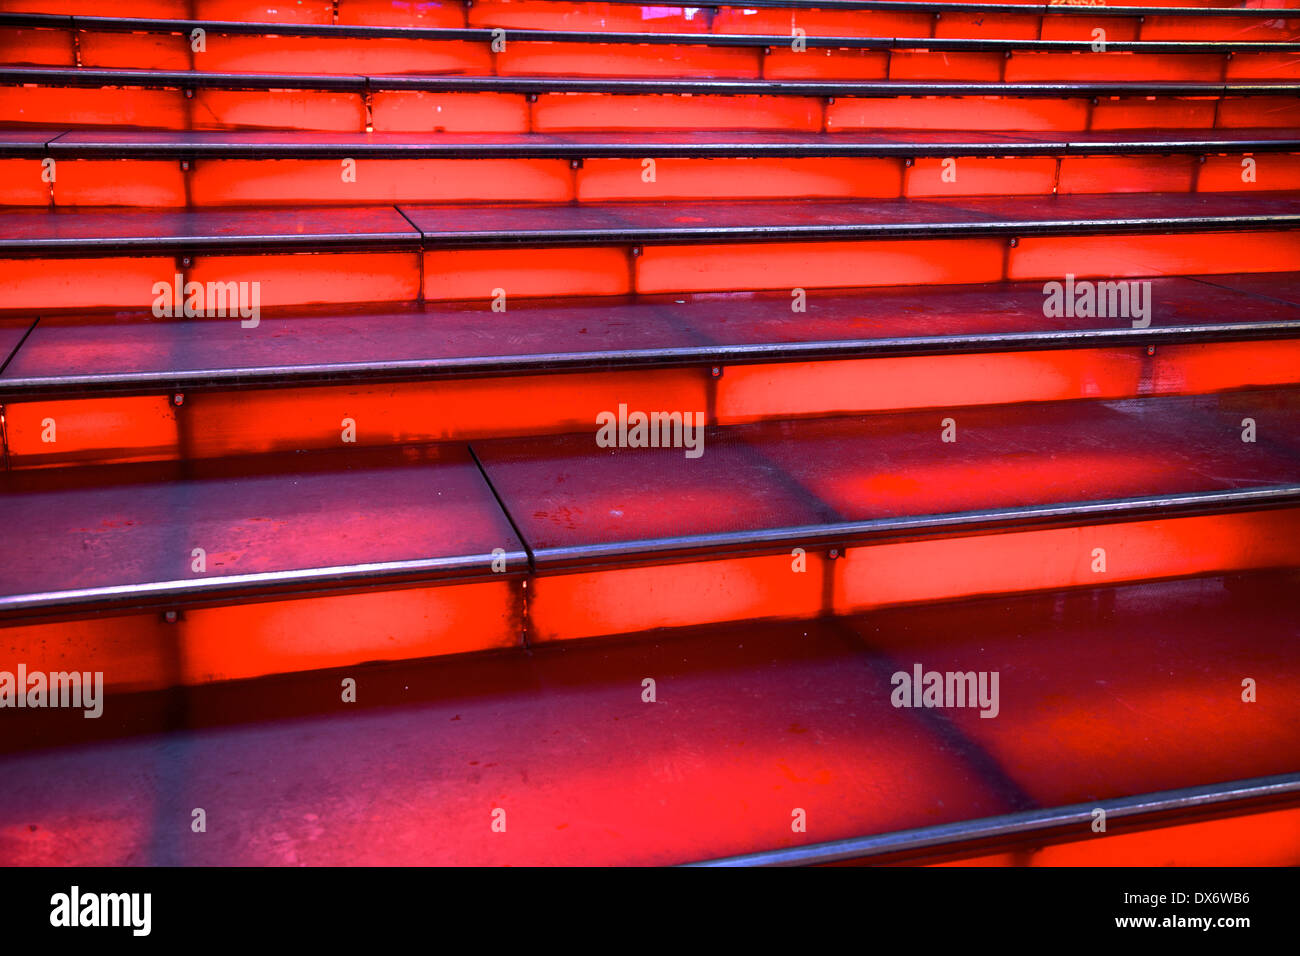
12 330
123 349
108 231
1103 693
571 498
1116 691
758 221
113 530
254 144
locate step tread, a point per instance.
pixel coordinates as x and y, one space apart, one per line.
88 76
99 230
80 537
1081 719
257 144
108 352
762 220
108 230
789 483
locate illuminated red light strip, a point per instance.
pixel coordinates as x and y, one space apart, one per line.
400 110
238 53
254 421
145 651
228 182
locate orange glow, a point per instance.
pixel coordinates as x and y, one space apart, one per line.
290 419
919 65
1079 28
372 55
272 109
22 47
900 573
954 112
82 283
1032 67
613 179
1005 176
119 182
143 652
98 106
622 600
20 183
819 64
133 51
218 182
589 111
137 428
249 640
1239 112
755 392
1134 113
420 111
1223 173
1050 257
303 278
475 273
1256 839
818 265
1126 174
585 59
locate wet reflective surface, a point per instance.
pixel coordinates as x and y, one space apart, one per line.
565 492
1102 693
118 349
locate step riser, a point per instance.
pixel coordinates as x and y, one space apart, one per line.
212 424
143 651
36 285
1255 839
343 55
231 182
493 112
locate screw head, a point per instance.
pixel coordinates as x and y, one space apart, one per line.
716 371
170 617
178 398
834 553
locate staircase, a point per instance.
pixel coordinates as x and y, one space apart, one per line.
532 432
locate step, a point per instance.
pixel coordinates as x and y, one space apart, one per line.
219 168
612 519
114 258
1170 20
316 562
769 520
1105 694
129 387
234 47
178 99
1173 20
